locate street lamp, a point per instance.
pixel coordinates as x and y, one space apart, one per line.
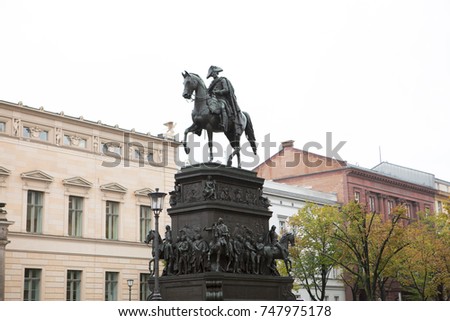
130 284
157 199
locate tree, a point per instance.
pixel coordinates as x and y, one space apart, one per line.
421 266
315 252
370 246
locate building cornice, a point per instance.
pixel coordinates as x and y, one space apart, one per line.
388 180
80 121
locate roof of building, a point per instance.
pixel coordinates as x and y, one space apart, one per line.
406 174
290 144
298 193
83 120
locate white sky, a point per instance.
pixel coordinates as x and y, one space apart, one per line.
374 73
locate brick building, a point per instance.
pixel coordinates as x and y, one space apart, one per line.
379 191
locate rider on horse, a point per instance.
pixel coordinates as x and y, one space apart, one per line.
221 88
272 239
221 234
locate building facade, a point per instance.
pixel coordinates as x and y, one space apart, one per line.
442 196
380 191
77 192
286 200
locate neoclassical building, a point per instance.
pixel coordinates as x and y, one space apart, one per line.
77 192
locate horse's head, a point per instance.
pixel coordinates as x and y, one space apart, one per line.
288 239
190 84
150 236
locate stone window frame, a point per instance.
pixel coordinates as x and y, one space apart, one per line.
111 282
38 181
35 287
73 136
113 192
38 128
78 283
5 126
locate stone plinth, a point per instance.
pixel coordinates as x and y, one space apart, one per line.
202 195
216 286
237 198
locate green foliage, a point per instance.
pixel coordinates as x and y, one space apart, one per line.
370 246
372 250
424 266
315 252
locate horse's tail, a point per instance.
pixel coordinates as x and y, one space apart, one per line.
249 133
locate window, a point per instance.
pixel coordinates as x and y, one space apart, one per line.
390 206
150 157
408 210
35 201
75 215
26 132
145 220
357 197
137 154
439 207
111 148
71 140
112 220
2 126
35 132
282 226
43 135
66 140
73 292
111 281
32 284
144 290
372 203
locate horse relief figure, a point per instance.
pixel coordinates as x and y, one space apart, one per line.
216 110
274 250
151 235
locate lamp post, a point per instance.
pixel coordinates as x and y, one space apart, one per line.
157 201
130 284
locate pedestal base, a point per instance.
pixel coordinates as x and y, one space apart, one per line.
216 286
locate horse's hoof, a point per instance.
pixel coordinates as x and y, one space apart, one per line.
187 150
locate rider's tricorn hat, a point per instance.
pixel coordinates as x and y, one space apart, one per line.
212 69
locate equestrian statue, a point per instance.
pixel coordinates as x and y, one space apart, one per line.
216 110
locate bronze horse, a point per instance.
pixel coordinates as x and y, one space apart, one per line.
205 116
271 253
149 238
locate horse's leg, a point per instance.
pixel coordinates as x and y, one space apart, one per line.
188 130
219 252
209 259
235 144
210 143
286 263
150 267
238 154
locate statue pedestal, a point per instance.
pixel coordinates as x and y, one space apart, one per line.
216 286
203 194
236 198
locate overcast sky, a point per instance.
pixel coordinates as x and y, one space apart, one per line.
373 73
